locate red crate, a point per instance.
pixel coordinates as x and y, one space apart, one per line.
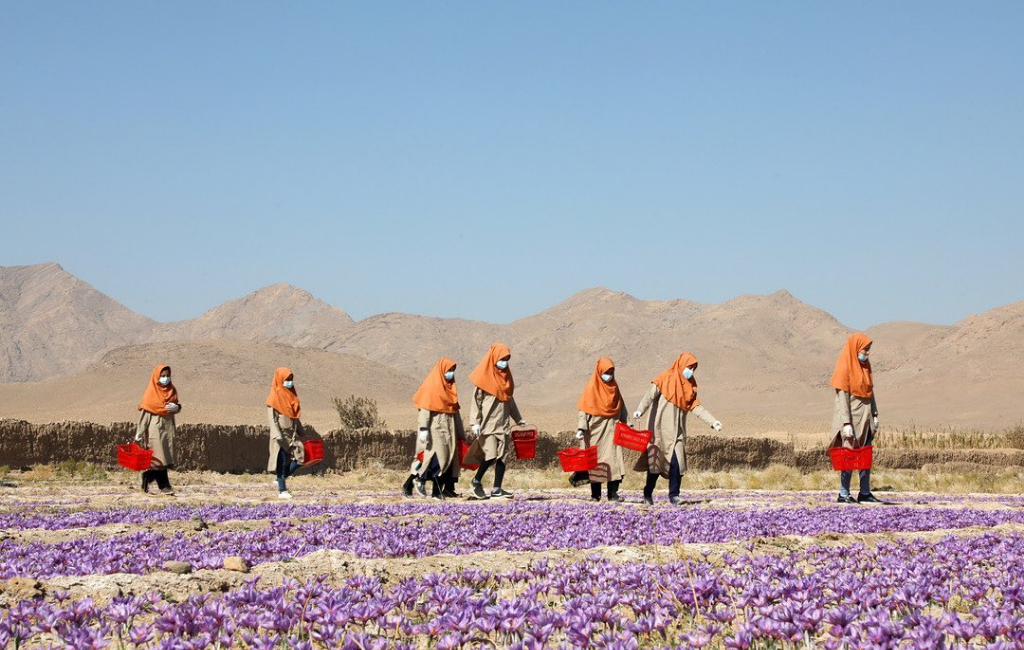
314 452
575 459
629 438
134 457
525 443
847 460
463 448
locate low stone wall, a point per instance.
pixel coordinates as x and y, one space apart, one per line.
240 449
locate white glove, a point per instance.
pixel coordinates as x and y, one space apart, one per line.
476 429
874 423
579 434
637 414
847 432
172 407
716 425
424 435
522 424
138 436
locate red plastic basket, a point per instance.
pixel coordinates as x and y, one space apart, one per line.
575 459
134 457
463 448
314 452
628 437
846 460
525 442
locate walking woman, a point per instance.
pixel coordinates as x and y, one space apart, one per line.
283 410
855 418
672 396
493 408
156 428
601 406
440 429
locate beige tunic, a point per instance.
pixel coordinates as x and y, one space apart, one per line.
445 432
856 411
284 434
668 423
158 434
599 431
494 418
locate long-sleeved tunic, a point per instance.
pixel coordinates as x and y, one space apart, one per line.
285 433
495 420
668 423
599 431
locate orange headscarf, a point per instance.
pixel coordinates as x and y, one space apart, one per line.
156 397
491 379
852 375
283 400
436 393
677 389
600 398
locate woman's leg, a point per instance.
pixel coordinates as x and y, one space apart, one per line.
162 480
499 473
482 470
675 477
595 491
148 477
844 484
652 482
613 490
282 470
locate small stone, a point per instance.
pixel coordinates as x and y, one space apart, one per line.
235 563
23 588
175 566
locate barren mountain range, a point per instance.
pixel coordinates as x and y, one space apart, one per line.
69 352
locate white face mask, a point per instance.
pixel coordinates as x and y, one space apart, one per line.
450 375
688 373
164 381
863 357
606 378
289 384
502 364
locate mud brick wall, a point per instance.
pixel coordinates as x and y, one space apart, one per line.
240 449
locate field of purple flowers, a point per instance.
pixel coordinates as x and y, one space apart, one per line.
864 576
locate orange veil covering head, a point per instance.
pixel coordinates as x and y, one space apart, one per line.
156 397
677 389
600 398
491 379
436 393
283 400
851 375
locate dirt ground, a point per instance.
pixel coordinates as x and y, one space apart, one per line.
38 491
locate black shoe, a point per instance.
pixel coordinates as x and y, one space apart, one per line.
868 498
498 493
437 496
649 499
596 499
407 487
614 498
421 488
478 491
843 499
676 501
449 493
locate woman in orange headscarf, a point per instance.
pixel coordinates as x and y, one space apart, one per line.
855 418
601 406
283 410
673 395
492 409
156 428
440 429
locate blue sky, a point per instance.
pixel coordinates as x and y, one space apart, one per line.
487 160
